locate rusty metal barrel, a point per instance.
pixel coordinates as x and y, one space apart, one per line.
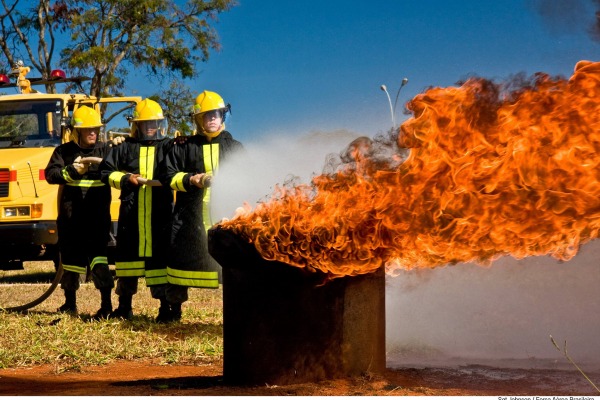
285 325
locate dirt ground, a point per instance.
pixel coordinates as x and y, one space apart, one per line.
131 378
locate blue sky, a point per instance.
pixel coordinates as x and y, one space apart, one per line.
292 67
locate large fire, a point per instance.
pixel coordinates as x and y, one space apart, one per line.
492 170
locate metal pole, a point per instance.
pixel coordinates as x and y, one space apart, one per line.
384 88
404 82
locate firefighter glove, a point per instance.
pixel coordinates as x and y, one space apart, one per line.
133 179
80 167
200 180
117 140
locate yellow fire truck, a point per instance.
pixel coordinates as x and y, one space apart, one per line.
32 124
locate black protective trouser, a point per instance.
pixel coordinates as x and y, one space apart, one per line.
101 277
128 286
176 294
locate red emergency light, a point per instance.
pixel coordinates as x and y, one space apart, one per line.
42 175
58 74
4 80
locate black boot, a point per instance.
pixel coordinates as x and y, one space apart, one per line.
124 310
164 312
105 304
70 305
175 312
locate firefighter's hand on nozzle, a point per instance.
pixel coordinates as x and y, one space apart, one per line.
133 179
80 167
117 140
201 180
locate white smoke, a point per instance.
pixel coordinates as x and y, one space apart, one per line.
251 176
499 314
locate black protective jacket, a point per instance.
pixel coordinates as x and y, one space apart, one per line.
84 207
145 211
189 262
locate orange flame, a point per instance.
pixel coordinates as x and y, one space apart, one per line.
490 172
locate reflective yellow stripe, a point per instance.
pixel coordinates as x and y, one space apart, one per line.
205 279
66 175
156 276
156 281
75 268
156 272
85 183
211 164
210 153
114 179
98 260
130 268
177 181
145 202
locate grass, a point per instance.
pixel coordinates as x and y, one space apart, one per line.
43 336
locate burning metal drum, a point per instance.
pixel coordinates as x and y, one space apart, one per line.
284 325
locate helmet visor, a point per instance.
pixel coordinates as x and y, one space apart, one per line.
154 129
220 113
213 114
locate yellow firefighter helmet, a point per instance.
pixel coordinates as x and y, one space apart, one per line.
85 117
148 122
208 101
146 110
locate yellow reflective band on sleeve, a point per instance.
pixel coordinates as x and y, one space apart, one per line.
114 179
130 268
201 279
75 268
210 153
177 181
66 176
145 203
98 260
156 277
85 183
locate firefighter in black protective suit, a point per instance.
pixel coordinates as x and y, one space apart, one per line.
146 206
84 210
188 169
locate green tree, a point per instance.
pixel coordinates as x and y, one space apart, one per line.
29 33
104 39
177 103
110 37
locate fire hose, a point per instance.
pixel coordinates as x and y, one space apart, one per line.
90 160
148 182
44 296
